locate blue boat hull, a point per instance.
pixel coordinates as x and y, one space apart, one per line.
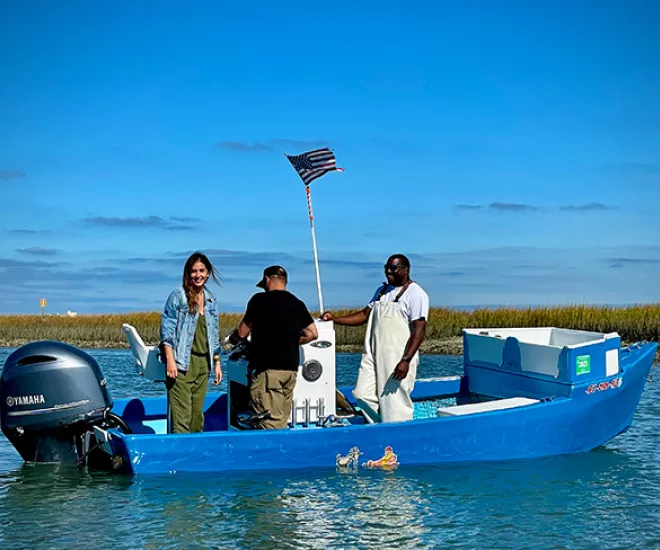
590 416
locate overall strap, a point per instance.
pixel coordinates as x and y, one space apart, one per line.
405 287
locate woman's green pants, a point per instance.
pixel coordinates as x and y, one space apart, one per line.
186 395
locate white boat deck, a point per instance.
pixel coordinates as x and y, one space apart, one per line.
486 406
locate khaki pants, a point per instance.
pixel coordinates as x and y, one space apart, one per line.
186 396
272 391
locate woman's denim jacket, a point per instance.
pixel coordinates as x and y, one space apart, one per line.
177 326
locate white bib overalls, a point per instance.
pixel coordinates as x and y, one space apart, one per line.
380 396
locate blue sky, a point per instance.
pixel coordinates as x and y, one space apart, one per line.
511 149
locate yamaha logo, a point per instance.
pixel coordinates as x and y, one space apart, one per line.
37 399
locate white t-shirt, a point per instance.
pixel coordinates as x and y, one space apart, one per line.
414 302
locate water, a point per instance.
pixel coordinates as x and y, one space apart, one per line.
609 498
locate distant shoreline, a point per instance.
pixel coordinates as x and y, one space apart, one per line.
636 323
442 346
445 346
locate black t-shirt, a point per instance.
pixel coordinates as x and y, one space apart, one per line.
277 319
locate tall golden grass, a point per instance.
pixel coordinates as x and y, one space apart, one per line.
633 323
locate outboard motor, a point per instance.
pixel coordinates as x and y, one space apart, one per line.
51 394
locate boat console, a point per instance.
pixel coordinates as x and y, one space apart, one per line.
314 394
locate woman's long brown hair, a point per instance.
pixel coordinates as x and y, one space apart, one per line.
187 283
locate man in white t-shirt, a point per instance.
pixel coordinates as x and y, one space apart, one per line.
396 322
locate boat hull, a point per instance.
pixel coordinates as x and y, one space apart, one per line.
589 417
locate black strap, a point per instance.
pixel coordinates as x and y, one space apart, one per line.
405 287
383 291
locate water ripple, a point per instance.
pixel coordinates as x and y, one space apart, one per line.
606 499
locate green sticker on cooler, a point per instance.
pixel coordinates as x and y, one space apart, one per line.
583 364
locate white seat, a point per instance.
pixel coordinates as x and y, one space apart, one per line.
496 405
147 360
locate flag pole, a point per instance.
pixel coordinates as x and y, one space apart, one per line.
316 255
310 166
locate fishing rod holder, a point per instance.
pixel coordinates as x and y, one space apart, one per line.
306 409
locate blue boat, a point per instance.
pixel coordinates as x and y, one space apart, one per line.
524 393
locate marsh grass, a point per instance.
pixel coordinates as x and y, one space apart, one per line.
633 323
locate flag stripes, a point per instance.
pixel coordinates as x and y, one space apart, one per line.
314 164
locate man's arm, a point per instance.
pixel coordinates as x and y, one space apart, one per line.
236 335
415 340
243 329
309 333
352 319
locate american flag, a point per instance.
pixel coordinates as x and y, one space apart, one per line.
314 164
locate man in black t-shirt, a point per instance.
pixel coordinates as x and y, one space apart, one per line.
280 323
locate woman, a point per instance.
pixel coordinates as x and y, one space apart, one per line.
189 337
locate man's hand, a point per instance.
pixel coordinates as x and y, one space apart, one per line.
351 320
218 374
308 334
401 370
171 368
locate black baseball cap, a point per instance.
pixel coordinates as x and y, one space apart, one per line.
270 272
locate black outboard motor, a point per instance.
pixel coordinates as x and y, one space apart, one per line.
51 394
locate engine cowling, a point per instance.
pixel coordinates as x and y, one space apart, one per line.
51 393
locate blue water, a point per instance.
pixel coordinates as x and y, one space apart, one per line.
608 498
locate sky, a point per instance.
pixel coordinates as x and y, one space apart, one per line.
510 149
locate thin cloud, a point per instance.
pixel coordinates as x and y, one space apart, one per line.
184 219
632 261
269 145
27 231
342 264
302 144
219 257
590 207
103 270
180 228
9 264
145 260
137 276
103 221
499 206
145 222
38 251
511 207
11 174
243 147
452 274
236 254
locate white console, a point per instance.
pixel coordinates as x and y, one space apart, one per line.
314 394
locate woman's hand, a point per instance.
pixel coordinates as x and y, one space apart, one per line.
171 368
218 374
